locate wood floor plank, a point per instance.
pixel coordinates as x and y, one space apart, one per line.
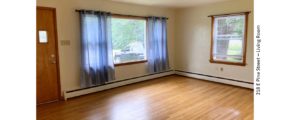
167 98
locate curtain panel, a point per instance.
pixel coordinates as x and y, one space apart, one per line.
97 65
157 45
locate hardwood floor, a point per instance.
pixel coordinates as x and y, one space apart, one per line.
167 98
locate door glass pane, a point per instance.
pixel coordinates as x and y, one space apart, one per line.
42 36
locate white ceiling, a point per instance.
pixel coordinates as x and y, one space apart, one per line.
170 3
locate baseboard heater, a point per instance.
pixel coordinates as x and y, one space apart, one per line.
229 81
118 83
114 84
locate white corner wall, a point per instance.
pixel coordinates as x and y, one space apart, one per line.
192 42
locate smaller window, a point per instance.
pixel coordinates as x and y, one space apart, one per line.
229 35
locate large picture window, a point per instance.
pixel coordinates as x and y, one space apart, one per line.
229 35
129 40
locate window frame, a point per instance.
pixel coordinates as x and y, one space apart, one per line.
243 63
145 40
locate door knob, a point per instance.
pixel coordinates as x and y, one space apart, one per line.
52 59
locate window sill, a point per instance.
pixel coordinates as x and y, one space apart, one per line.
129 63
228 63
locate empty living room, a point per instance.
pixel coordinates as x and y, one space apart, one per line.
128 60
145 60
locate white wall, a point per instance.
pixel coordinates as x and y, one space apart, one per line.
68 29
192 43
188 38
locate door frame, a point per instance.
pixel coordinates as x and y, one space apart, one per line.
56 48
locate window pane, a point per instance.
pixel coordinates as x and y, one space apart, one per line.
42 36
128 36
229 38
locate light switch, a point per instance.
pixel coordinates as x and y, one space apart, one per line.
65 42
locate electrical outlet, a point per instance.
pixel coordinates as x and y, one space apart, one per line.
221 69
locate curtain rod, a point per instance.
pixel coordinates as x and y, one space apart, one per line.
237 13
125 15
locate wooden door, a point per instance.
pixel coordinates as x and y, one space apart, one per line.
47 56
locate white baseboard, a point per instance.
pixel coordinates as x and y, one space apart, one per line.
213 79
149 77
113 85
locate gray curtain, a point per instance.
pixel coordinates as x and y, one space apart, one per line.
157 45
97 66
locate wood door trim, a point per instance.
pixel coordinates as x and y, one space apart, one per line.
56 48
